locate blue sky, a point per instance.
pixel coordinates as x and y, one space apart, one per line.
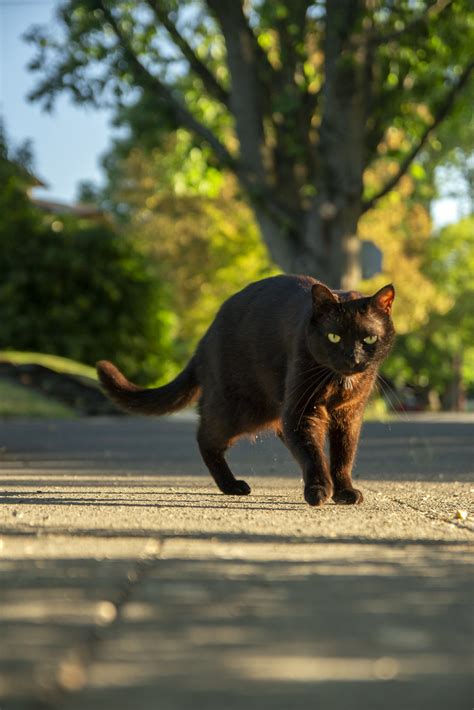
68 143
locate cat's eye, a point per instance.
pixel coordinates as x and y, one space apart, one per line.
334 337
371 339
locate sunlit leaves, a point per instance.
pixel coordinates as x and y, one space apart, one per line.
207 245
402 230
422 54
447 335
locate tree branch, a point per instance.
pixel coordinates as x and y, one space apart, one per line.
247 91
443 110
197 66
183 116
436 8
257 189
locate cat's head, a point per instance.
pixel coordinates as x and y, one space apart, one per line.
350 333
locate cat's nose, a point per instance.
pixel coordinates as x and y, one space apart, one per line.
353 362
353 358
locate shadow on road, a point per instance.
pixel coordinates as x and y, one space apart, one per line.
216 633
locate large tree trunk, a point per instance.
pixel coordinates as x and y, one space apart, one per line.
325 243
321 238
331 235
325 246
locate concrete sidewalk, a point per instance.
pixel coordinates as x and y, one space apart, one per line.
128 581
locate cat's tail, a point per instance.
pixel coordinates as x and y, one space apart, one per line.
140 400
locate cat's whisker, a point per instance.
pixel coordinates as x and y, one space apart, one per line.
311 380
313 383
393 393
311 369
314 371
382 392
387 395
318 388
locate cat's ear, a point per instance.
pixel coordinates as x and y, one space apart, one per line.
323 296
383 299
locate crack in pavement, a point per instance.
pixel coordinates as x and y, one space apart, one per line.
70 674
427 514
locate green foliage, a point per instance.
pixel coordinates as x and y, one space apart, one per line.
149 60
450 264
207 245
208 248
427 355
84 293
452 156
402 228
76 288
433 310
15 207
310 104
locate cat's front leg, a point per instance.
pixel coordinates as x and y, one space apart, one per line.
305 439
344 430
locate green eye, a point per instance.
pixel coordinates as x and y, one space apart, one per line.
370 339
334 338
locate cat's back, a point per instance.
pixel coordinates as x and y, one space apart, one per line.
272 299
256 328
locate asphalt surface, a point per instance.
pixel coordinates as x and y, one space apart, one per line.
128 581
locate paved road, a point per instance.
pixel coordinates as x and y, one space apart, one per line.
128 581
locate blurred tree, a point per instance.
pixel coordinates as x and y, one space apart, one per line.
402 228
190 221
88 193
434 310
450 166
449 263
297 98
74 288
16 210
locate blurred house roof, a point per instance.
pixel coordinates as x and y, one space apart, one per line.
81 209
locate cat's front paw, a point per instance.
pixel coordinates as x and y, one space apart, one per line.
316 495
348 496
236 488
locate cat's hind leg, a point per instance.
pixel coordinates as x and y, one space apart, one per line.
214 437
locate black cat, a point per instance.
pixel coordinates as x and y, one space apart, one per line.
285 353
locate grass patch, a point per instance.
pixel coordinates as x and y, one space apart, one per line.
54 362
19 401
